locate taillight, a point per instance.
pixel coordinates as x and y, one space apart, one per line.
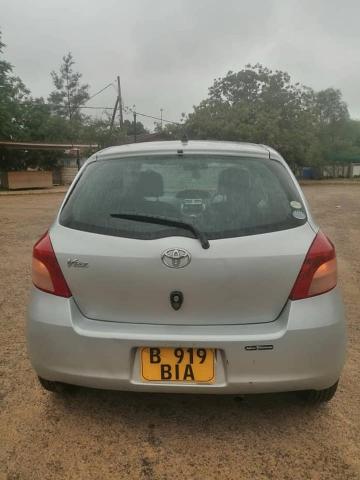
318 273
46 272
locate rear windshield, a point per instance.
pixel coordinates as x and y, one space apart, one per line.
222 196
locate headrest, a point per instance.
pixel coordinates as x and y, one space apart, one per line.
233 179
150 184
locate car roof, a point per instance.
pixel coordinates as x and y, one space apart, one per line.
191 146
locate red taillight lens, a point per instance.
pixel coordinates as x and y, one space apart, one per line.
318 273
46 272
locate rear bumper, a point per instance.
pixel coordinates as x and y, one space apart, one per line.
308 351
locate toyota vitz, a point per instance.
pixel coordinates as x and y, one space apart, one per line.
186 267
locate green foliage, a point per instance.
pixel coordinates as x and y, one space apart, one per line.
12 93
69 94
23 118
259 105
11 160
255 104
171 131
96 131
130 130
330 107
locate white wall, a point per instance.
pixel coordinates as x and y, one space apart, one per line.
355 169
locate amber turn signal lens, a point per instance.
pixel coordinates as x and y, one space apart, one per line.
41 276
46 271
324 278
318 273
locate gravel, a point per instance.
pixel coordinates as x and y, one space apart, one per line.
113 435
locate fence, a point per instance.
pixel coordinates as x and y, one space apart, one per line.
336 170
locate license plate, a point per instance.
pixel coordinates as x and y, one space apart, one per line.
177 365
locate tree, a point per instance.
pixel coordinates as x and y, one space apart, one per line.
170 131
129 127
40 124
260 105
5 67
69 94
257 85
333 123
99 131
330 107
12 94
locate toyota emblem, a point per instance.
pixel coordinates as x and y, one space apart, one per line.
176 257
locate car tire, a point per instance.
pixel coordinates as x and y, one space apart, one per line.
319 396
54 387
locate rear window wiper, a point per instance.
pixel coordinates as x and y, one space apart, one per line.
165 221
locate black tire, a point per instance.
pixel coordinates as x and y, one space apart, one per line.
54 387
319 396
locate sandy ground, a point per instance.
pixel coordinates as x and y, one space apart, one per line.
113 435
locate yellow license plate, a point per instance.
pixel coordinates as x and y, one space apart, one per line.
195 365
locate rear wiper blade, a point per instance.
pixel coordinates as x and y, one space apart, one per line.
165 221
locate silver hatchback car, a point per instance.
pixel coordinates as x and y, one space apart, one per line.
191 267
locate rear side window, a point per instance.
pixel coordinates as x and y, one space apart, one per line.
222 196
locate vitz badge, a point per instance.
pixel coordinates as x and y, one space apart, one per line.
76 263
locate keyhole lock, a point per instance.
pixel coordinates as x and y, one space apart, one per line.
176 299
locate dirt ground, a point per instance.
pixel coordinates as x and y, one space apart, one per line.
113 435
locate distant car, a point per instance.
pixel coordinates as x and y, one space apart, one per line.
191 267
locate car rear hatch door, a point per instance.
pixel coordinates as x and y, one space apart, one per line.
238 280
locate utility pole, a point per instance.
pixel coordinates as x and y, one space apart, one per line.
121 119
135 134
161 119
78 158
114 113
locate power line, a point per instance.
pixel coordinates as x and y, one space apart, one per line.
129 109
100 91
88 107
157 118
47 104
161 118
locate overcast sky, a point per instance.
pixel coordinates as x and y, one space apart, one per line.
168 52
